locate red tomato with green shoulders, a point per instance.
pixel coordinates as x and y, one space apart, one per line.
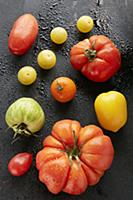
97 58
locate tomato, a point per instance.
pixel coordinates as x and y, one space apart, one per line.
25 116
20 164
46 59
73 157
27 75
97 58
63 89
85 24
23 34
58 35
111 110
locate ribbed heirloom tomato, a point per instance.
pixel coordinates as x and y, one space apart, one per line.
73 157
97 58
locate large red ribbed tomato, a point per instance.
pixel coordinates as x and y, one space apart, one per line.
73 157
97 58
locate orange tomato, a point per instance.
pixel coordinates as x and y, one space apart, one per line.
63 89
73 157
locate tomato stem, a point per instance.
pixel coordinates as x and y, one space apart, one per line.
21 129
74 152
59 86
90 54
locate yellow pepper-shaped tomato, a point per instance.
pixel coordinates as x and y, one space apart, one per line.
111 110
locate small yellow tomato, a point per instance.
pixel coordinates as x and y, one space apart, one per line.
27 75
58 35
46 59
85 24
111 110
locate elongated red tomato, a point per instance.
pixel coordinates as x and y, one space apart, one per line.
97 58
23 34
20 164
73 157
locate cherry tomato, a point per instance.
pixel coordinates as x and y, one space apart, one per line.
23 34
27 75
20 164
46 59
63 89
58 35
85 24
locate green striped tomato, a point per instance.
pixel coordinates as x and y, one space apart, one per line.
25 116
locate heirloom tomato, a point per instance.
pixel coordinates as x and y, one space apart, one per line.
74 157
97 58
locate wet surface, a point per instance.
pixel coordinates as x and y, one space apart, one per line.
112 18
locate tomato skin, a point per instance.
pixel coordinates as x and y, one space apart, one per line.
97 58
58 35
20 164
27 75
63 89
23 34
111 110
82 160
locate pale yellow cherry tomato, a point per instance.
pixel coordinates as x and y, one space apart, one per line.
27 75
46 59
85 24
58 35
111 110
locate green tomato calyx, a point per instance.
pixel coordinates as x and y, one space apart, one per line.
90 54
73 153
21 129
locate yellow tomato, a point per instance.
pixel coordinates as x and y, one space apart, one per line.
46 59
58 35
85 24
111 110
27 75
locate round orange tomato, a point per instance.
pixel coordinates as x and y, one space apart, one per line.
63 89
74 157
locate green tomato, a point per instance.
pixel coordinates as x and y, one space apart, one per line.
46 59
27 75
85 24
58 35
25 116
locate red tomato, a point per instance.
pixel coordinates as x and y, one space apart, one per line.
73 157
20 164
97 58
23 34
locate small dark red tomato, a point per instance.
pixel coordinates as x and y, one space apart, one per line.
23 34
20 164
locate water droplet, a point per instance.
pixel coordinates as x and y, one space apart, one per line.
74 3
99 2
44 28
55 4
98 23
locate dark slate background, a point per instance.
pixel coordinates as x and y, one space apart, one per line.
113 18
